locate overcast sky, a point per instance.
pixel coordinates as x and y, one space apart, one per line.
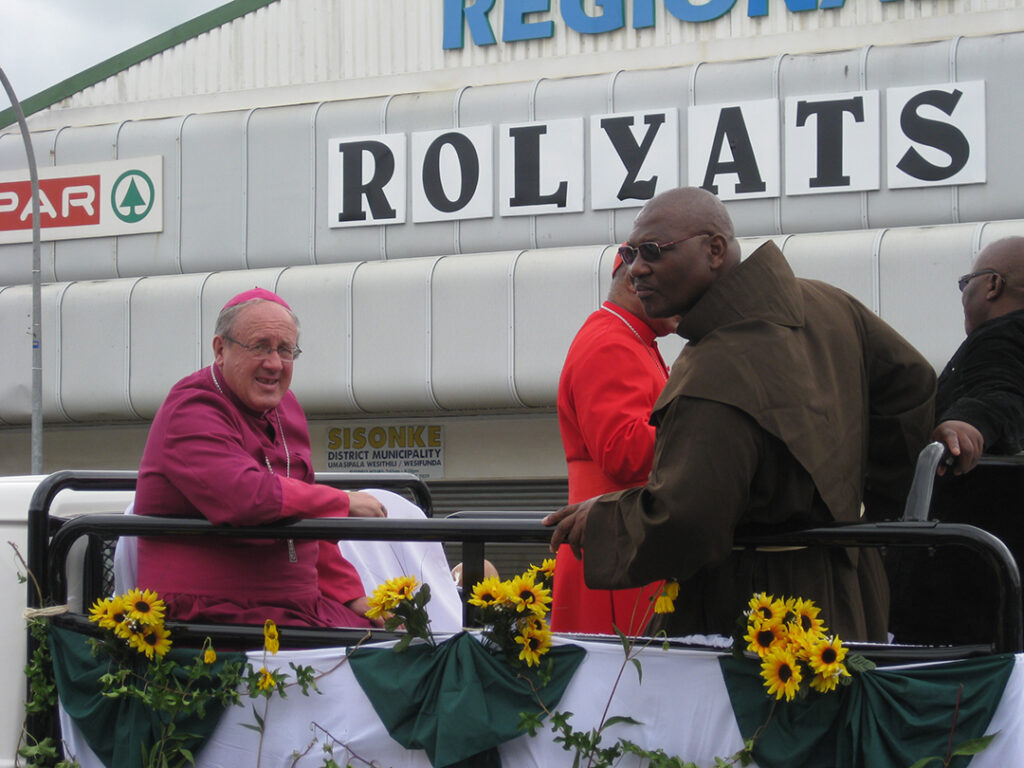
45 41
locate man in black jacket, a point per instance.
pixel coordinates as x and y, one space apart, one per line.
979 408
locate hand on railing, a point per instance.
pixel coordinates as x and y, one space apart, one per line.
964 445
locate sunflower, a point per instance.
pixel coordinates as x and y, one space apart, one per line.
151 639
536 641
781 673
765 635
144 606
826 657
666 602
546 570
824 683
805 615
490 591
527 595
271 641
266 680
765 607
402 587
100 613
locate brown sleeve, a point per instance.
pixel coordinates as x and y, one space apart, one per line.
705 457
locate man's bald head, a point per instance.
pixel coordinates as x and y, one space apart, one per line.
999 288
699 247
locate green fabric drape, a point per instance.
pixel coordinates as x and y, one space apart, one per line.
457 701
884 719
118 730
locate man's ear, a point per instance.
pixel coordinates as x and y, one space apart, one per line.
996 286
218 349
718 249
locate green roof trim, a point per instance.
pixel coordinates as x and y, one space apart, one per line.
122 61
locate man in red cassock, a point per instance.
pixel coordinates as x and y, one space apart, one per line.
612 375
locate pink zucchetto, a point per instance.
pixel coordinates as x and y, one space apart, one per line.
256 293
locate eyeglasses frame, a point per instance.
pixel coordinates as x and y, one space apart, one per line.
630 253
964 280
253 349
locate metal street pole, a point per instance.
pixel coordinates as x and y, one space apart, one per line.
37 353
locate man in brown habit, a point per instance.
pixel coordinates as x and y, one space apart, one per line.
791 405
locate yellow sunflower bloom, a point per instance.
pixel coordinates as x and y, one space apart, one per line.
826 657
546 570
666 602
763 636
271 641
151 640
266 680
781 673
805 614
100 613
824 683
766 608
490 591
144 606
402 587
526 595
535 642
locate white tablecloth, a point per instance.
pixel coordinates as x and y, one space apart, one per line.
681 704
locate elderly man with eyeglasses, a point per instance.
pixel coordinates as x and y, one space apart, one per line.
979 408
791 405
230 443
980 401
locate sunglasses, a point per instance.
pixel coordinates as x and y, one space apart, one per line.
963 280
650 252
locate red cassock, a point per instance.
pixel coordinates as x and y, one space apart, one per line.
613 374
207 455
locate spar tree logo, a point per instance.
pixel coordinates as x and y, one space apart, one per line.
132 196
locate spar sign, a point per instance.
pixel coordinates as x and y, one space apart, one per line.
121 197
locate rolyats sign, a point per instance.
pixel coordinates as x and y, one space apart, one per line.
121 197
935 136
415 448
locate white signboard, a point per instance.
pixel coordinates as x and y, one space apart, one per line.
833 143
936 136
734 149
366 180
633 157
415 448
541 167
456 177
120 197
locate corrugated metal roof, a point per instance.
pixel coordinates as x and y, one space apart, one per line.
139 53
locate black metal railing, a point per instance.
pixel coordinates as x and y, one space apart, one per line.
50 541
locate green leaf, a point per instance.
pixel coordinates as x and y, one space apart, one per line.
974 746
925 761
620 719
639 670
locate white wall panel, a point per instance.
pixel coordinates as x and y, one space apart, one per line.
16 352
471 331
918 294
16 260
213 187
279 187
93 347
164 337
390 344
321 298
554 293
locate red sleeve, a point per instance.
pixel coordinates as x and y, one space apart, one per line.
612 393
338 578
304 500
